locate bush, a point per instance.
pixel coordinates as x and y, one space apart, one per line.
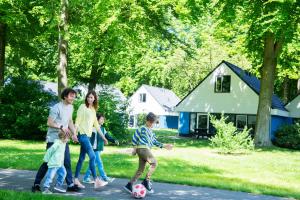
288 136
141 119
24 108
116 116
228 139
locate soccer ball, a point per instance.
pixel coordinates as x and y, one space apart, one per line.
138 191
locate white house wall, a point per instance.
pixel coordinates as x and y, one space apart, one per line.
294 107
151 105
241 99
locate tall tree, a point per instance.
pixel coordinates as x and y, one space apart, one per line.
272 24
63 47
2 51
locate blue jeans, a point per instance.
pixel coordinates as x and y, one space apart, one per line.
67 163
99 164
61 175
85 147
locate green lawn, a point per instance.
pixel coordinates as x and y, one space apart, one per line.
272 171
8 195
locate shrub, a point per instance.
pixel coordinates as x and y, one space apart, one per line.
228 139
288 136
141 119
116 116
24 108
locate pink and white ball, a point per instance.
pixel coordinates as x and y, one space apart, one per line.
139 191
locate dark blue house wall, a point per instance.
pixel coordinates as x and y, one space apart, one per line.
168 122
184 123
277 122
172 122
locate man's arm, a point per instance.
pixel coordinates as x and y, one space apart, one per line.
52 116
53 124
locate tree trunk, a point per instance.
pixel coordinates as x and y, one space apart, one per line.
298 86
97 70
95 75
63 48
263 120
2 52
93 78
285 90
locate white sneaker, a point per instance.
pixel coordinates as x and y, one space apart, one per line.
77 182
47 191
88 180
108 179
99 183
59 189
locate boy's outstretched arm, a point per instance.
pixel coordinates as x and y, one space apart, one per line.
161 145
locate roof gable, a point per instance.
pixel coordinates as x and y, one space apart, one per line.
249 79
166 98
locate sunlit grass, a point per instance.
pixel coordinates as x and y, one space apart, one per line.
273 171
9 195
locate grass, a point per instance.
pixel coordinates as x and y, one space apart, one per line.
273 171
8 195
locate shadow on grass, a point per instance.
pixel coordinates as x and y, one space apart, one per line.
275 149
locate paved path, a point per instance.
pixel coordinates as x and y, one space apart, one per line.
22 180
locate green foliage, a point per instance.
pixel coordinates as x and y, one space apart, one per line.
24 108
288 136
31 38
141 119
116 116
228 139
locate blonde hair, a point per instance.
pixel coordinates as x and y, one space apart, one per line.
62 135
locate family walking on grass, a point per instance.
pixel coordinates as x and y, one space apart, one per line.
92 136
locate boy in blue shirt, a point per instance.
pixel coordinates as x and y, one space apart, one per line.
143 140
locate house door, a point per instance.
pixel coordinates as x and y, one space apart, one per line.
202 121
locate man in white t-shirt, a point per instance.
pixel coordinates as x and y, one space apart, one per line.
60 117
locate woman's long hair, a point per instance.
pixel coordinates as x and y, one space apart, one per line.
95 103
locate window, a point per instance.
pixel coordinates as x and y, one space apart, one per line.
230 118
202 121
222 84
131 121
143 97
251 123
241 121
297 120
193 120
